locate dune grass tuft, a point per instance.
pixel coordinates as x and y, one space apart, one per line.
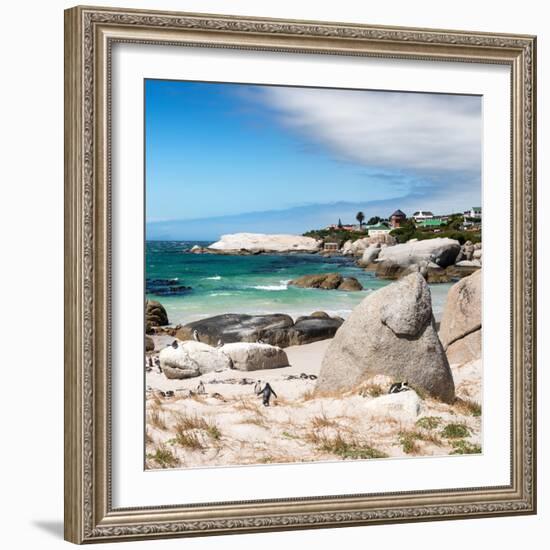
164 457
462 447
344 448
429 422
455 431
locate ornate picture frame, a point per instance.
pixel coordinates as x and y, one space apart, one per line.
90 34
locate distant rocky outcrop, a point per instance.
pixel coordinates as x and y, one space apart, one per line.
247 356
191 359
327 281
460 329
256 243
276 329
391 332
155 315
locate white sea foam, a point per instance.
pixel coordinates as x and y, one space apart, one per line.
214 278
270 287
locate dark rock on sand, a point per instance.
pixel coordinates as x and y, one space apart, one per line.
155 315
234 327
304 331
277 329
149 344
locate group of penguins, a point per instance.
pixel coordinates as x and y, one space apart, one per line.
259 389
266 391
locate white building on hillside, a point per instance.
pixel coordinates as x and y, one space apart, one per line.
474 212
422 215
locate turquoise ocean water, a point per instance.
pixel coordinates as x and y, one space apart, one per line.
251 284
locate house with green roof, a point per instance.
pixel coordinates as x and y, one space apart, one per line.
432 223
378 229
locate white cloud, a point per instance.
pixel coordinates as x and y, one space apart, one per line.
392 130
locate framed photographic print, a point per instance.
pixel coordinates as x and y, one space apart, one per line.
300 274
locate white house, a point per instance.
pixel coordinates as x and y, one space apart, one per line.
378 229
474 212
422 215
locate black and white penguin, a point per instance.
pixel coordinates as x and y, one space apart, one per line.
266 394
398 387
196 336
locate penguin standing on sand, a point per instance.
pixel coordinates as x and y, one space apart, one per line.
258 387
266 394
196 336
200 388
174 344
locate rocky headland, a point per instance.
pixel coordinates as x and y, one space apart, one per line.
260 243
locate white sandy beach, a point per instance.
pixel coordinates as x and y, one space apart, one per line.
230 426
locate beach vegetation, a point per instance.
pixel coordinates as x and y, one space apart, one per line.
455 431
371 390
188 428
156 419
462 447
408 440
429 422
344 448
163 456
322 421
468 406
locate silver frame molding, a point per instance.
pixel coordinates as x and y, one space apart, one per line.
89 35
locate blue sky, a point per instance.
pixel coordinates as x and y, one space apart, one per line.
226 158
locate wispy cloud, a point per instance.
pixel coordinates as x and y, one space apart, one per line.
423 133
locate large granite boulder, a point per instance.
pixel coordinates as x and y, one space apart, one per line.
327 281
191 359
466 252
234 327
155 315
391 332
440 251
461 319
404 406
249 356
260 242
369 255
359 246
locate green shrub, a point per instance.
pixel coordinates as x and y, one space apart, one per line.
455 431
429 422
462 447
